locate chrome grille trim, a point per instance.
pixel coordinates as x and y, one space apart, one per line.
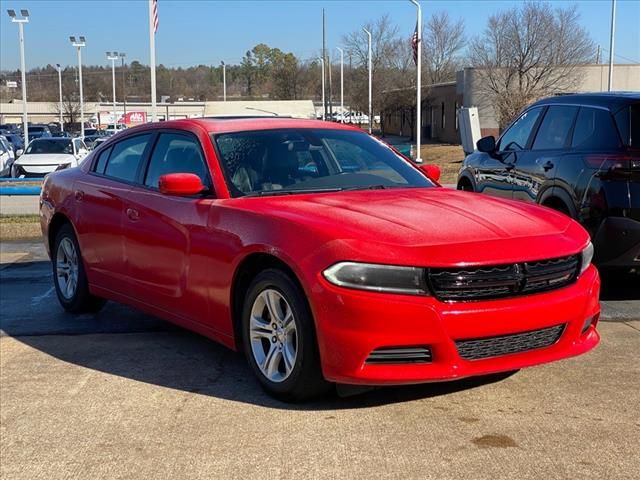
489 347
502 281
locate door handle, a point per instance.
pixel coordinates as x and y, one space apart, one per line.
548 165
79 195
132 214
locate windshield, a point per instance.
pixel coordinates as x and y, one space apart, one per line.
50 146
273 162
35 129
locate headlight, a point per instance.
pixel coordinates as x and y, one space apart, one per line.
378 278
63 166
586 256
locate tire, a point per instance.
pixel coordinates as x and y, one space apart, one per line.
69 277
285 360
465 186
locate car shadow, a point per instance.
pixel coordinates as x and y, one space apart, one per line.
122 341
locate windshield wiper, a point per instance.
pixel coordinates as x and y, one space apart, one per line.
372 187
269 193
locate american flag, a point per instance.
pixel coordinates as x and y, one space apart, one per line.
154 12
414 45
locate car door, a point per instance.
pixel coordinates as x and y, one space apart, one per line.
494 170
535 168
165 237
99 197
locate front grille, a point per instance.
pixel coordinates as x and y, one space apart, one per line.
417 354
516 343
463 284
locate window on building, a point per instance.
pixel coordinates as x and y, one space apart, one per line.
442 116
455 106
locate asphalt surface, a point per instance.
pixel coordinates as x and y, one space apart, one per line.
122 394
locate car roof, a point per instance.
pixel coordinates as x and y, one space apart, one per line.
613 101
239 124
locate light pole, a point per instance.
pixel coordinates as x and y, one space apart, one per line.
370 119
224 81
60 92
419 80
341 83
113 57
322 63
124 93
21 22
79 44
611 43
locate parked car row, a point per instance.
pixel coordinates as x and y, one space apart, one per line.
46 157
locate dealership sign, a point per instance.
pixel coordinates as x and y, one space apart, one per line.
129 118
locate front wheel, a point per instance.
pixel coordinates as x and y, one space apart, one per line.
69 277
279 338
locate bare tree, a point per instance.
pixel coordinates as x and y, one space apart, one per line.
442 43
529 52
70 108
390 61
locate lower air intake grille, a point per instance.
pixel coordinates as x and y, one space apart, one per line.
504 345
418 354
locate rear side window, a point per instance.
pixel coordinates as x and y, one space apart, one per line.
102 160
555 127
175 153
595 130
126 157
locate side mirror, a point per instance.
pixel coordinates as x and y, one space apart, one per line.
184 184
431 171
487 144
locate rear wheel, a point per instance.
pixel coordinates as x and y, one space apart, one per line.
279 338
465 185
69 276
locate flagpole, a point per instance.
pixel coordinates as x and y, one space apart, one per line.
152 60
418 81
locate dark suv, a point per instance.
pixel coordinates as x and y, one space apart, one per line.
579 154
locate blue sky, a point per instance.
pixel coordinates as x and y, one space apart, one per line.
195 32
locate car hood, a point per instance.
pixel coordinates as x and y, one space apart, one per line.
448 226
45 159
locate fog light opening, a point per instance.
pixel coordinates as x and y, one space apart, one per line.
588 322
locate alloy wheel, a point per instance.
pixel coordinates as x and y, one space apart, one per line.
273 335
67 268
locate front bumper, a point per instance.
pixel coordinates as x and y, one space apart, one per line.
351 324
617 243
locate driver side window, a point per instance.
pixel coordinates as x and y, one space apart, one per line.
517 136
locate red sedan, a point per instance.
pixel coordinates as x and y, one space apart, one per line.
320 252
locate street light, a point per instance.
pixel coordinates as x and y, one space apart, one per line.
322 62
124 93
79 44
60 91
370 119
419 80
341 83
224 81
21 22
113 57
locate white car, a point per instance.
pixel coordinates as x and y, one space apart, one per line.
7 157
46 155
113 129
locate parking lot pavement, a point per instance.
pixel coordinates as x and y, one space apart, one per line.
124 395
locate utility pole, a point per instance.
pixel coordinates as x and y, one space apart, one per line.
224 82
124 86
60 92
79 44
113 57
419 80
330 87
324 58
21 22
341 84
370 77
611 43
